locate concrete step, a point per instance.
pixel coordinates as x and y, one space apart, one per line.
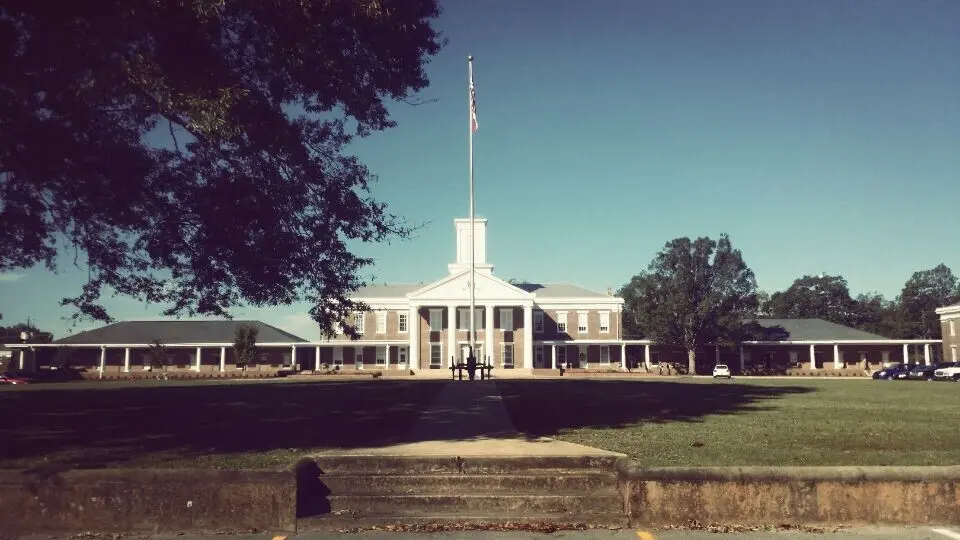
561 521
477 465
489 505
445 484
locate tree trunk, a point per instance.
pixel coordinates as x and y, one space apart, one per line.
691 362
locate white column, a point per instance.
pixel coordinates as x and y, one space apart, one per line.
813 358
926 353
906 352
387 353
316 358
451 335
126 360
293 358
528 336
488 333
836 356
623 356
23 359
197 360
646 356
223 359
413 329
553 354
743 363
103 361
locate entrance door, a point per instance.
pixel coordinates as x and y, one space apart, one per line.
477 351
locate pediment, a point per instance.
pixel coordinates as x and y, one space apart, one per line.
456 288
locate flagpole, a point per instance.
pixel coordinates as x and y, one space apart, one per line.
470 119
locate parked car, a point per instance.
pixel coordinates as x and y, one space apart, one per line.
891 373
721 370
925 373
949 373
10 379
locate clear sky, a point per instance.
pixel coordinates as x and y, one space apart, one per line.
822 136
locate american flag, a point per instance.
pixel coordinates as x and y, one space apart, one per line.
473 106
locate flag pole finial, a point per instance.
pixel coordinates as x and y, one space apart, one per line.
469 58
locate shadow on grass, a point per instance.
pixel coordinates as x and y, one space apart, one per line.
542 408
101 425
259 424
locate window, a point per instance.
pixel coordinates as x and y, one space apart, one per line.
506 355
604 322
655 358
561 355
436 320
953 327
436 356
463 318
337 357
401 322
506 320
538 359
381 322
863 356
794 359
582 322
884 356
359 321
538 322
381 356
402 356
358 358
604 354
561 321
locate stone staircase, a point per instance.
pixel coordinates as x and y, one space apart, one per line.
346 492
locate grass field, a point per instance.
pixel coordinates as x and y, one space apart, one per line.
227 424
700 422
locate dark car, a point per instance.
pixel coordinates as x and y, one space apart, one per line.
893 372
925 373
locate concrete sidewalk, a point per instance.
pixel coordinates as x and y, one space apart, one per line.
469 418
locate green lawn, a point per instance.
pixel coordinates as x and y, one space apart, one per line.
228 424
700 422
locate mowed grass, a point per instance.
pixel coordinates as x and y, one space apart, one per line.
701 422
217 424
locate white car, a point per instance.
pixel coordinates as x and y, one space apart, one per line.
721 370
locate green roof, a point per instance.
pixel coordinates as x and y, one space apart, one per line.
173 332
810 330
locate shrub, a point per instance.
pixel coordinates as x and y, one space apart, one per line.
377 374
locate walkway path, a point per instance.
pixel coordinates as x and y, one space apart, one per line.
469 418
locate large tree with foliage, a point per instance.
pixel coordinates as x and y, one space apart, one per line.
922 294
192 153
876 314
815 297
693 293
245 345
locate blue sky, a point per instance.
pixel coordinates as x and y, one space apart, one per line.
822 136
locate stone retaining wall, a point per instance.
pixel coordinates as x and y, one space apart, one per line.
794 495
147 501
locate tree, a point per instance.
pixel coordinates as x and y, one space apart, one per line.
693 293
922 294
815 297
159 355
877 315
14 334
245 345
191 154
763 305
